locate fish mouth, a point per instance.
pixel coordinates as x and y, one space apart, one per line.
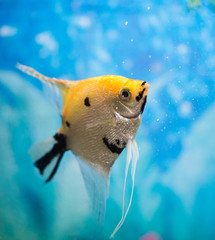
134 116
129 113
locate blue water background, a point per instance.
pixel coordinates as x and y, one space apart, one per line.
165 43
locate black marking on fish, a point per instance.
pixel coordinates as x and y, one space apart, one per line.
140 95
67 124
144 82
117 141
143 105
87 102
124 144
112 147
58 148
55 168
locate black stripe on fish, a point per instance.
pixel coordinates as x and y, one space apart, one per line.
58 148
140 95
87 102
143 105
55 168
143 83
67 124
112 147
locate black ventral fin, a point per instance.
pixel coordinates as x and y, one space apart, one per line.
48 155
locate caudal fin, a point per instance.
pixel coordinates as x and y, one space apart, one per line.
48 154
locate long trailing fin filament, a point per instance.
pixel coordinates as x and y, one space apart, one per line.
132 157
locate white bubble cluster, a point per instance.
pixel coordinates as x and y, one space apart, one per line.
7 31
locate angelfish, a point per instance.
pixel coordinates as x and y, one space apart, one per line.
100 117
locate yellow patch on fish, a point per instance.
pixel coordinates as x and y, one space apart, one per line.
100 116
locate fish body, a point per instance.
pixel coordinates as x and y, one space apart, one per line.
93 122
100 116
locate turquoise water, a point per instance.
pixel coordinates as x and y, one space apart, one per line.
170 45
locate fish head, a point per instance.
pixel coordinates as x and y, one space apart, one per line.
131 98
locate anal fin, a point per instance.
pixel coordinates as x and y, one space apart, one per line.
97 186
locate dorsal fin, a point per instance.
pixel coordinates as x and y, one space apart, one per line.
58 87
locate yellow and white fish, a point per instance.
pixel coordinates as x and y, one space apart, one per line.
100 117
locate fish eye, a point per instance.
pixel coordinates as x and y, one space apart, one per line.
125 94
